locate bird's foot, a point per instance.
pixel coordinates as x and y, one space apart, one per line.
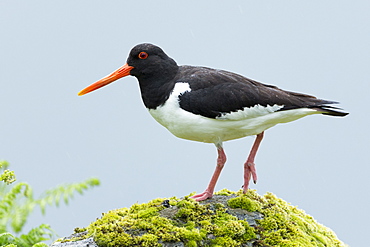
249 172
249 166
202 196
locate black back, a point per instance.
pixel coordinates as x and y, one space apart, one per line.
214 92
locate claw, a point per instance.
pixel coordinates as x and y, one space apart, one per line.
202 196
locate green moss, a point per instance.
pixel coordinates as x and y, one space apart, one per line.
243 202
225 242
149 240
150 212
225 192
79 230
205 224
285 225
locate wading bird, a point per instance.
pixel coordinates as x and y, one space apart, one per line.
211 105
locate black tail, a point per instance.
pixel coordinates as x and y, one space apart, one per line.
331 110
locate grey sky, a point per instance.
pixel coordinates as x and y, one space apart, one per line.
51 50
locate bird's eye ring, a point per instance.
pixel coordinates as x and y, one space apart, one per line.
143 55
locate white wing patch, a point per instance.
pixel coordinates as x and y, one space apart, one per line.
180 88
250 112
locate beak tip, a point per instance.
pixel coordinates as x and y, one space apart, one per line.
121 72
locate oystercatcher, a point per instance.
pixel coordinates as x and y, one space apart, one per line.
211 105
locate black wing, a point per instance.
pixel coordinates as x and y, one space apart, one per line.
216 92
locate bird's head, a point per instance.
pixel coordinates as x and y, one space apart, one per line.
145 61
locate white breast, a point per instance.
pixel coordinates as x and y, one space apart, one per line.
229 126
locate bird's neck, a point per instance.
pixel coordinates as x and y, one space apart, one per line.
156 89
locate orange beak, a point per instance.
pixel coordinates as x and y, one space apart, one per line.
119 73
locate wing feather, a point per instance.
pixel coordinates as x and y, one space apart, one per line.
216 92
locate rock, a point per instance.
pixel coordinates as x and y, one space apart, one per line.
227 219
89 242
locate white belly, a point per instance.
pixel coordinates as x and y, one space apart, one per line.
246 122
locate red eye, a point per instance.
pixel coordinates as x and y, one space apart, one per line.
143 55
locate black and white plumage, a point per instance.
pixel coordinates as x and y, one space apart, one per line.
210 105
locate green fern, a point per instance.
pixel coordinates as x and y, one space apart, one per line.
17 203
32 238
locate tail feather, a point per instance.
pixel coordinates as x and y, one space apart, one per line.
331 110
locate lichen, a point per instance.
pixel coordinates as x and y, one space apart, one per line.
210 224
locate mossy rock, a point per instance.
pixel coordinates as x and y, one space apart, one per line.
227 219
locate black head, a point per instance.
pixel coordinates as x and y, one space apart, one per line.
150 62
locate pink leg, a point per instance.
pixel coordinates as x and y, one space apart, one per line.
249 166
208 193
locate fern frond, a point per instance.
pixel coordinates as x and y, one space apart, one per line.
40 245
9 207
6 238
32 238
65 192
36 235
6 235
17 203
20 215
